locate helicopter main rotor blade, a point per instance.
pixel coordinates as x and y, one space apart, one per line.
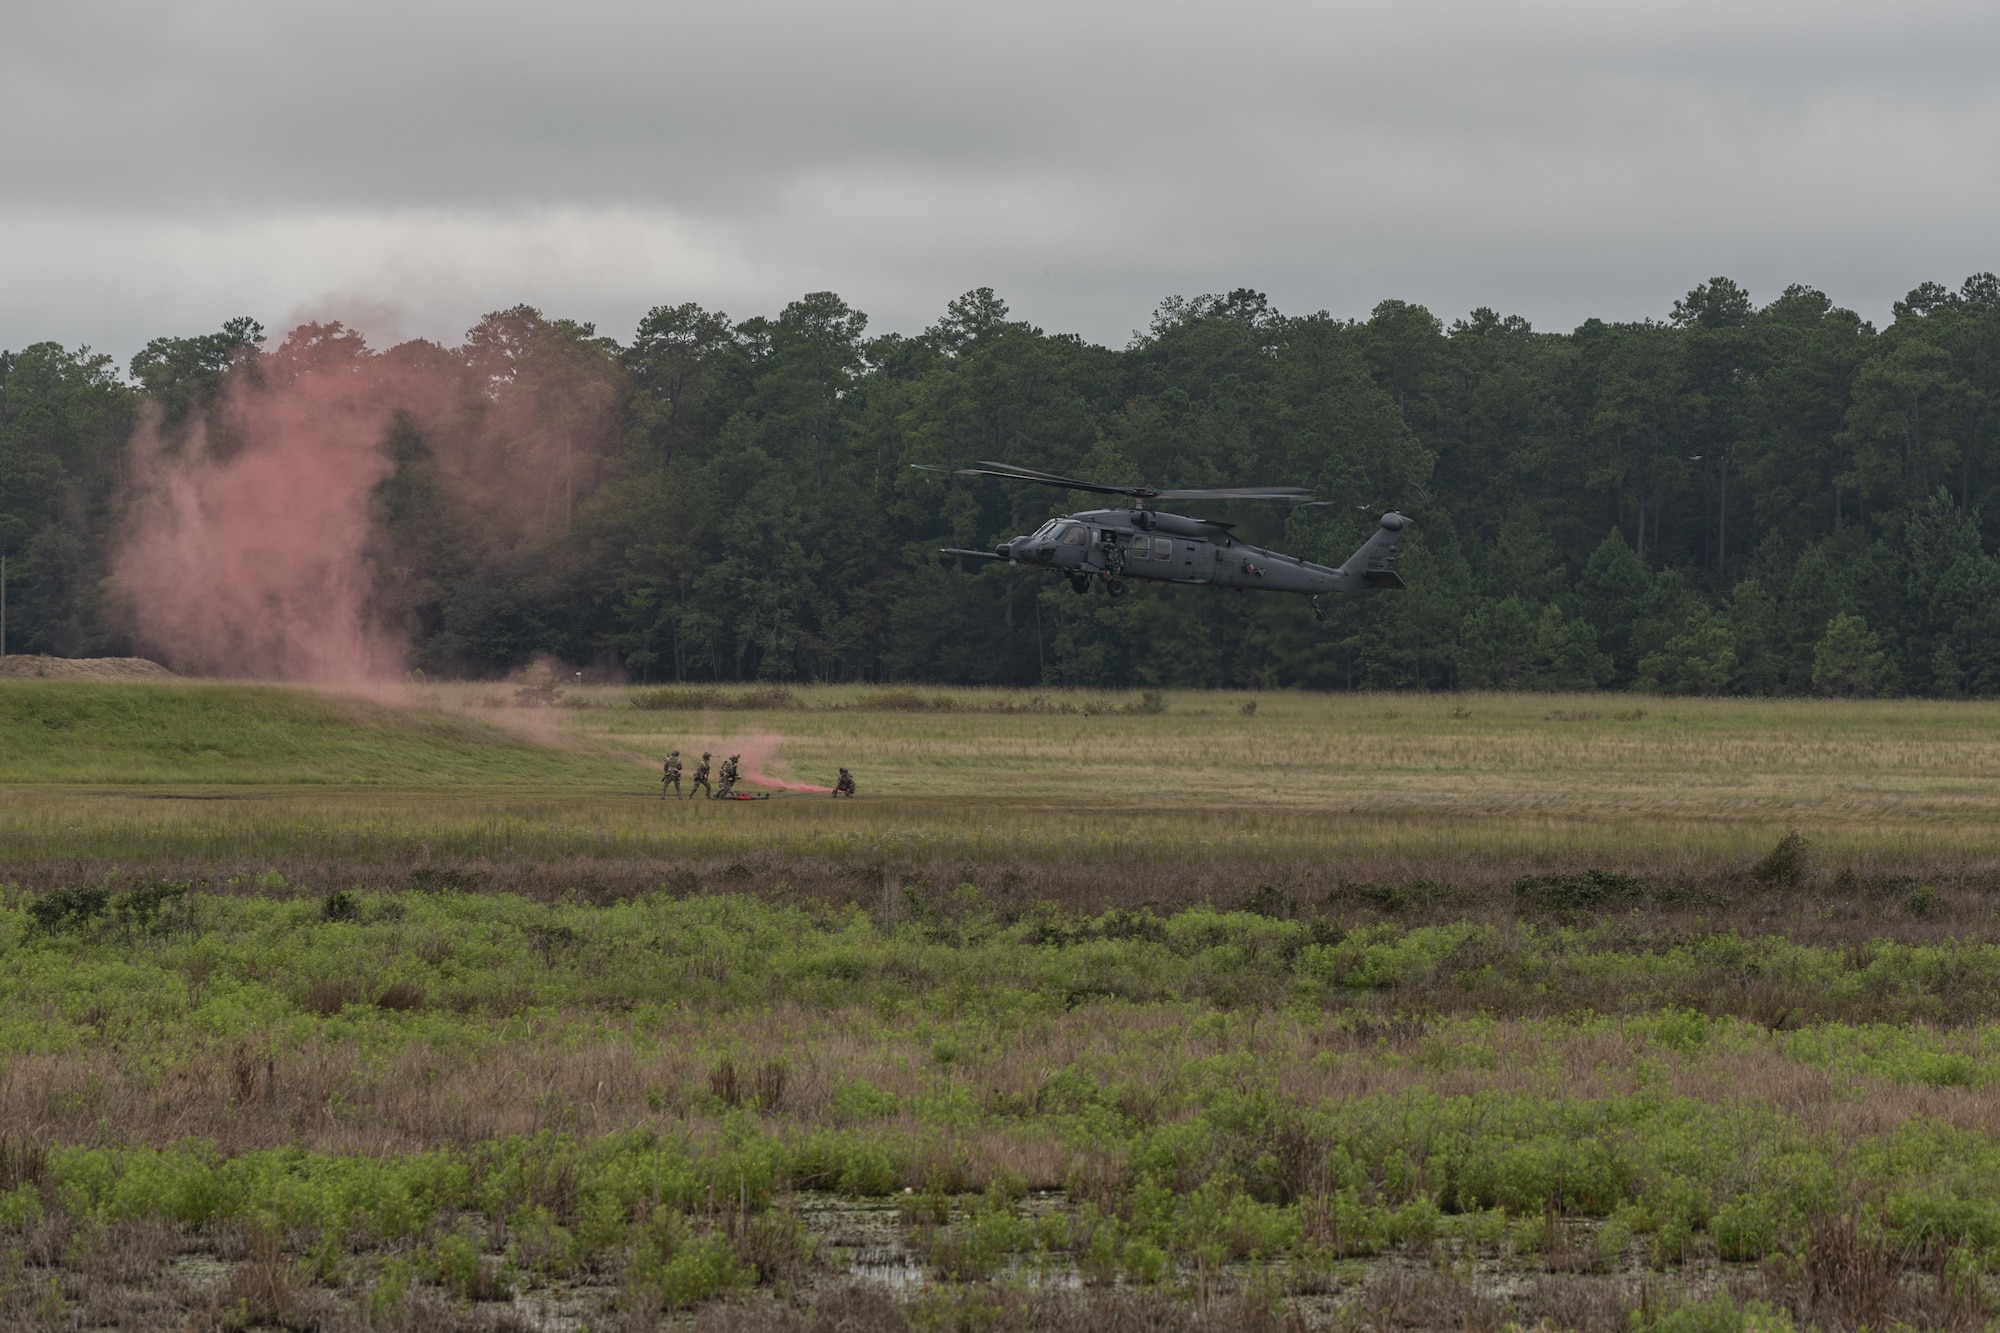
1009 472
1040 479
1295 494
1036 474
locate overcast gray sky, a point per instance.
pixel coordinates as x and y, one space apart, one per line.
409 165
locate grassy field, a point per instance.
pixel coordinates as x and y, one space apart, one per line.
1368 779
203 736
1357 1013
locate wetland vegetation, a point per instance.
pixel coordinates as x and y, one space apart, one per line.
742 1075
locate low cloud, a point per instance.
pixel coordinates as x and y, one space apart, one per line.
180 163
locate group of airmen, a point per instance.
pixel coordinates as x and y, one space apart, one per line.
670 776
726 780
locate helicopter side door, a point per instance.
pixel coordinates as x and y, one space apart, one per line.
1172 559
1072 545
1146 557
1187 561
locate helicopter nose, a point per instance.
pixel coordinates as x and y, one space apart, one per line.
1005 550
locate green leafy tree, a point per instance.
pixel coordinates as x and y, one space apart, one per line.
1611 594
1701 659
180 376
678 367
64 419
1691 501
1849 662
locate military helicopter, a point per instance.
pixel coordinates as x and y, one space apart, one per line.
1112 546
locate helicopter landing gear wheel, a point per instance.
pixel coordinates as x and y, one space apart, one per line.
1116 587
1080 584
1319 612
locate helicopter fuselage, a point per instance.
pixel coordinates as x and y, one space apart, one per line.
1117 544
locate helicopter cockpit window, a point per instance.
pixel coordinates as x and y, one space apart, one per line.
1163 548
1045 532
1074 534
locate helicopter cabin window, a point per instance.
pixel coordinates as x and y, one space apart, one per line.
1074 534
1163 548
1142 548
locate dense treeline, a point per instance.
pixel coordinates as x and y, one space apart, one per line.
1736 499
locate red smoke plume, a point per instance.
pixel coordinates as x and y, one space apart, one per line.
757 751
245 550
251 547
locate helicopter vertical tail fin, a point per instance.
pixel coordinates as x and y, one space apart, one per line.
1371 566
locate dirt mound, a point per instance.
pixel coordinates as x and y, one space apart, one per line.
15 666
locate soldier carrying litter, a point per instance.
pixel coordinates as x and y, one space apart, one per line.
670 775
844 785
728 778
701 778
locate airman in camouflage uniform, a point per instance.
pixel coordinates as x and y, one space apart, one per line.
701 778
728 777
670 775
844 785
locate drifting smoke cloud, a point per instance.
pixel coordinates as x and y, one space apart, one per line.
253 545
758 750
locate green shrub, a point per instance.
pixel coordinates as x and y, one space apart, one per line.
977 1246
1679 1029
892 701
860 1100
1144 1262
438 879
1345 1225
66 909
675 700
1745 1229
459 1267
1673 1243
699 1270
1785 864
144 907
682 699
1717 1314
21 1207
768 700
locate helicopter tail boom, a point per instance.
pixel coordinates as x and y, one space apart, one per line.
1369 567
